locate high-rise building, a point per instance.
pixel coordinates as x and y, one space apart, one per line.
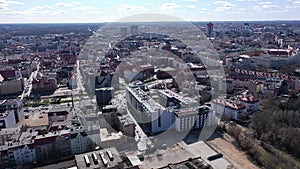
210 29
123 31
134 30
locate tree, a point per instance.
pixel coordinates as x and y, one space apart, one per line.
235 131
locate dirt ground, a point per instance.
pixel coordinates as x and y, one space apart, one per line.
232 154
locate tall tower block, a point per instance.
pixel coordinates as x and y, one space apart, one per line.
210 29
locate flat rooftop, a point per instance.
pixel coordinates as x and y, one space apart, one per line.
105 135
114 162
171 94
183 112
182 152
35 120
145 100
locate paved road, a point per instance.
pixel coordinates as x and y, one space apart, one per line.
140 137
28 87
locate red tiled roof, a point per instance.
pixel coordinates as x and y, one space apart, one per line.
230 104
247 98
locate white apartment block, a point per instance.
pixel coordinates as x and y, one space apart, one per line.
7 119
228 108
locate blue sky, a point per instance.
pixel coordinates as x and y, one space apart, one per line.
73 11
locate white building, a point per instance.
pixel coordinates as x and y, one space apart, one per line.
194 118
186 119
13 104
7 119
229 108
168 98
251 102
110 139
147 111
173 111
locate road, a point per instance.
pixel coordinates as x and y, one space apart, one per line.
140 137
28 87
80 90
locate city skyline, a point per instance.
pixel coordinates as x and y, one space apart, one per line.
21 11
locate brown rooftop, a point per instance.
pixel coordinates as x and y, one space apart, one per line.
35 120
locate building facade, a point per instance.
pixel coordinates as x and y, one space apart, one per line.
153 116
229 108
7 119
171 111
251 102
80 142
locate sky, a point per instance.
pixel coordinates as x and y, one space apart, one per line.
88 11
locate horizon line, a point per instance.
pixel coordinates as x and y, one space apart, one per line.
273 20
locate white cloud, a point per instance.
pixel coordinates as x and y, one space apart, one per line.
223 5
191 6
293 4
203 10
8 2
84 8
4 7
221 8
10 13
233 12
246 0
61 12
62 4
72 4
36 10
128 8
169 6
93 12
296 3
5 4
265 3
190 0
275 11
270 6
256 7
